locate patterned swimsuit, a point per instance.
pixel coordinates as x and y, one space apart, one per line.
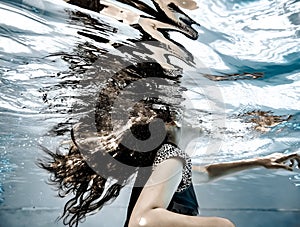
184 200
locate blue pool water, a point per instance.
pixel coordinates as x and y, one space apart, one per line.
46 48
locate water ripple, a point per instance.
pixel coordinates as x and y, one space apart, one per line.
263 31
46 49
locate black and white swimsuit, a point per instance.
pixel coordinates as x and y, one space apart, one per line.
184 200
169 150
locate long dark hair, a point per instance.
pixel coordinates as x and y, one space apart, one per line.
72 175
93 174
93 185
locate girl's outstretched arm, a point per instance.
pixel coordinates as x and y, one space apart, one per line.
207 173
150 208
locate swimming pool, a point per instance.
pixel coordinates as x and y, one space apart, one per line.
46 48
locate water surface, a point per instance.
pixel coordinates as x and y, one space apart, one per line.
240 63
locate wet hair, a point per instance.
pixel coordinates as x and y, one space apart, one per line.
93 185
97 178
72 175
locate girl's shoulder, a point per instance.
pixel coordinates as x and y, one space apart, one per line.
169 150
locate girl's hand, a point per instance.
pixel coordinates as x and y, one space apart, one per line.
280 161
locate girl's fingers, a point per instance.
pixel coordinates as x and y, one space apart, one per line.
275 165
282 166
287 157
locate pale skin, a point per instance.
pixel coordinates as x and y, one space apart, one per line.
150 208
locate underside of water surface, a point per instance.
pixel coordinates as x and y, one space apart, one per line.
231 68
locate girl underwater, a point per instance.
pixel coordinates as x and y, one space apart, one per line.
150 143
141 139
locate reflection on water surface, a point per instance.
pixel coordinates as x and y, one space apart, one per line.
237 59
